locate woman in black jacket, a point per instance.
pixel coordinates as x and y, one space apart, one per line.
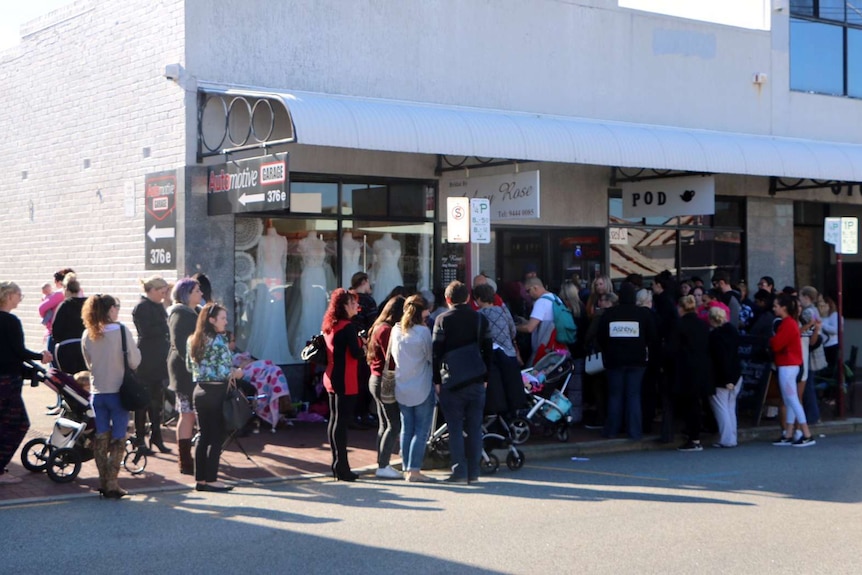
693 377
182 318
724 351
151 322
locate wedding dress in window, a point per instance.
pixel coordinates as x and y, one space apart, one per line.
268 339
386 274
351 251
313 293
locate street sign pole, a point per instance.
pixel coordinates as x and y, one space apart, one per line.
840 279
843 233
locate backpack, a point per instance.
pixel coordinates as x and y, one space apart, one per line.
564 321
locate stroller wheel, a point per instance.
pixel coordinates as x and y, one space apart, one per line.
515 459
520 429
135 462
35 454
64 465
563 433
489 465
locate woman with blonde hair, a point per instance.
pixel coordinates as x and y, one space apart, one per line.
602 285
414 390
102 344
14 422
724 351
151 323
210 361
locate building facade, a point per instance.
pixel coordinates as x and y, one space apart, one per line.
137 129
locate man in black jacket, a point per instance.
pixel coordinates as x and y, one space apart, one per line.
361 286
463 405
625 334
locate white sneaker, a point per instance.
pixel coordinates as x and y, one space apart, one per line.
388 473
797 435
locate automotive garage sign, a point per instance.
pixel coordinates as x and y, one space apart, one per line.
160 220
254 185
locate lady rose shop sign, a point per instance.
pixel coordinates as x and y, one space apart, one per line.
510 196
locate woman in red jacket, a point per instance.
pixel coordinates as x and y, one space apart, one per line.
341 380
786 347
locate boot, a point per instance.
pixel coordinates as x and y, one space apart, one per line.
156 432
117 451
100 456
187 464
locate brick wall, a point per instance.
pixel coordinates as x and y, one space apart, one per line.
86 87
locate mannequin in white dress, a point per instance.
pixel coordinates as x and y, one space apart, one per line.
385 273
312 287
268 339
351 251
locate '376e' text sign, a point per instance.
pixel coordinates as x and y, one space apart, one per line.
253 185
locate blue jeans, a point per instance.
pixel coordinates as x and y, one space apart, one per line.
416 424
110 415
624 381
463 410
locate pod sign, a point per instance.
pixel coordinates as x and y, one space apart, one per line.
669 197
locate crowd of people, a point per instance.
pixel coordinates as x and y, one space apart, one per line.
669 351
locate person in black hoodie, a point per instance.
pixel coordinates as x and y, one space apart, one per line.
693 382
724 351
626 332
664 304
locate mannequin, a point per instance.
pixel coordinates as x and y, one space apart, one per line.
351 251
272 257
268 338
385 273
312 288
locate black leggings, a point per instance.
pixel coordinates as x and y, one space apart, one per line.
208 400
340 412
14 422
154 411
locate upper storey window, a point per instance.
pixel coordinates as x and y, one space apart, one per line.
826 47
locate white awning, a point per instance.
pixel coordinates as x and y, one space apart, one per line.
400 126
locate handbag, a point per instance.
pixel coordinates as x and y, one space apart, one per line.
594 363
315 350
133 394
236 410
817 359
387 378
463 364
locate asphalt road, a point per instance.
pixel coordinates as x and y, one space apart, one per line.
754 509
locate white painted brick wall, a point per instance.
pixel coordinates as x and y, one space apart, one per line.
86 83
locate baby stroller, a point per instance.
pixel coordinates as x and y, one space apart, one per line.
71 441
438 445
547 404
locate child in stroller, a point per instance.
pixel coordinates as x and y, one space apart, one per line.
547 404
71 441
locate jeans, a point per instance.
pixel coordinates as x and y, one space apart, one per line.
416 424
624 381
111 416
388 423
463 410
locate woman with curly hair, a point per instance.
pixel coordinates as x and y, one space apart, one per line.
389 416
182 317
210 361
102 344
14 422
601 285
341 379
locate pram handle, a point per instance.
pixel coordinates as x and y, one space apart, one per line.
35 373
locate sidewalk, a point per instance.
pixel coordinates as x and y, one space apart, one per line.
302 451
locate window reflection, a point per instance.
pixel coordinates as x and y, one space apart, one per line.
854 63
816 57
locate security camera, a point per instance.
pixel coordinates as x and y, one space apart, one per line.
173 71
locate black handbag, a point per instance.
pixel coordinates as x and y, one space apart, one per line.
463 364
315 350
235 409
133 394
387 378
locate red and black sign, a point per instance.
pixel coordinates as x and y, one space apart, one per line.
253 185
160 220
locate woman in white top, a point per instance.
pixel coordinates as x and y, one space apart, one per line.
411 350
829 330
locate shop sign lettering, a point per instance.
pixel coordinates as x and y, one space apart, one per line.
510 196
253 185
669 197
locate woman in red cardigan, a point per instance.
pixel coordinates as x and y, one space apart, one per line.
341 380
786 347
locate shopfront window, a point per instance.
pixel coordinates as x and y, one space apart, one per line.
286 267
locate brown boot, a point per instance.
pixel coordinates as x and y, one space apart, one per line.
100 456
117 451
187 464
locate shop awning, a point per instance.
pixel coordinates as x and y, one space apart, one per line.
401 126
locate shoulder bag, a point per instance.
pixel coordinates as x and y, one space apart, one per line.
464 364
315 350
133 394
594 363
387 379
236 410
